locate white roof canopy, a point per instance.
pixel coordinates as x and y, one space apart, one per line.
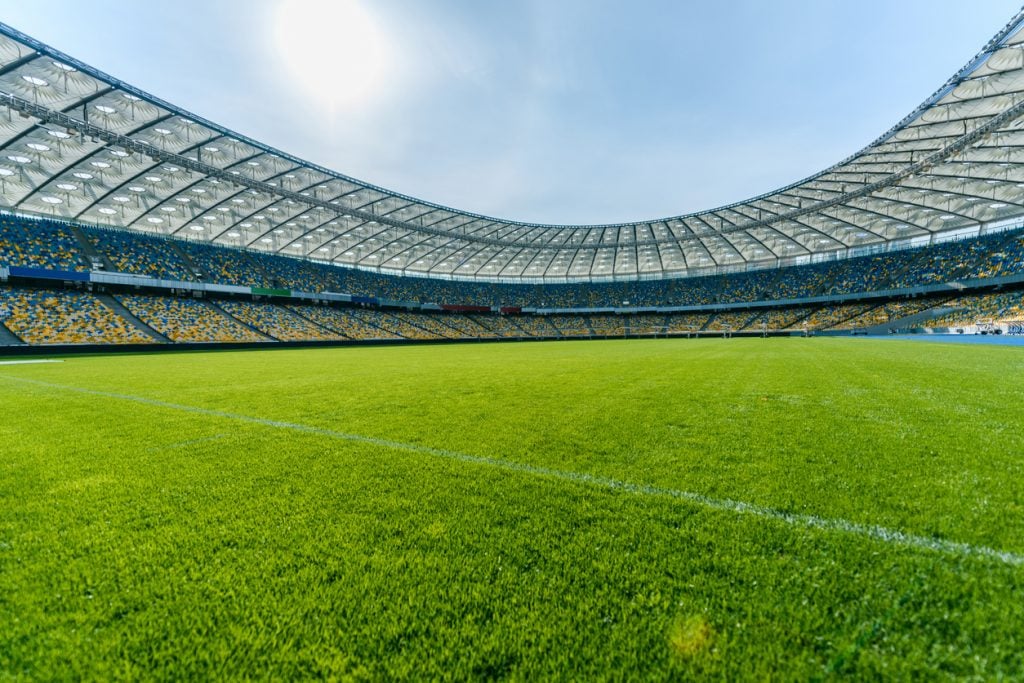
78 144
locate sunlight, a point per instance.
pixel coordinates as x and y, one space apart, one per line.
334 50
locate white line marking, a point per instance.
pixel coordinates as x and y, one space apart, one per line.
29 362
879 533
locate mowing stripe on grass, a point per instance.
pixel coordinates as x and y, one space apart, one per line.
29 362
879 533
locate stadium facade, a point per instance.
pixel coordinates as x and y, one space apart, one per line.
111 193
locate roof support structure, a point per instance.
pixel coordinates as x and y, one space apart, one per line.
963 147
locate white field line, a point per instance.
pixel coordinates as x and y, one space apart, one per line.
878 533
30 362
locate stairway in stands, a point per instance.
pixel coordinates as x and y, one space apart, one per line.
210 304
197 272
96 260
116 306
8 338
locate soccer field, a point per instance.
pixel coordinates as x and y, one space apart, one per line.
648 508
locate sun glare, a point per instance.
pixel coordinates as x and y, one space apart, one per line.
334 50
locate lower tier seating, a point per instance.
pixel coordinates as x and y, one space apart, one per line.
571 325
988 308
887 313
340 321
185 319
401 326
832 317
647 324
611 325
733 321
278 322
686 322
44 316
70 316
505 327
427 323
466 327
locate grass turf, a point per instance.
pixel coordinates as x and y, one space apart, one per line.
142 540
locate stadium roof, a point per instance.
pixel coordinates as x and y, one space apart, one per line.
78 144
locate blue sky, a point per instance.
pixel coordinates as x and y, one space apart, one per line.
561 111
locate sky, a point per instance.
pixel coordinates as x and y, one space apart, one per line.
552 111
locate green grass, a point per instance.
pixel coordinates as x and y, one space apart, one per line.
138 540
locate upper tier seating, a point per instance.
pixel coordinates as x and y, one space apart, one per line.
35 243
225 266
298 274
801 282
139 254
1005 259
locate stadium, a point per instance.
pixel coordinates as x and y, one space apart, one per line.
262 419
